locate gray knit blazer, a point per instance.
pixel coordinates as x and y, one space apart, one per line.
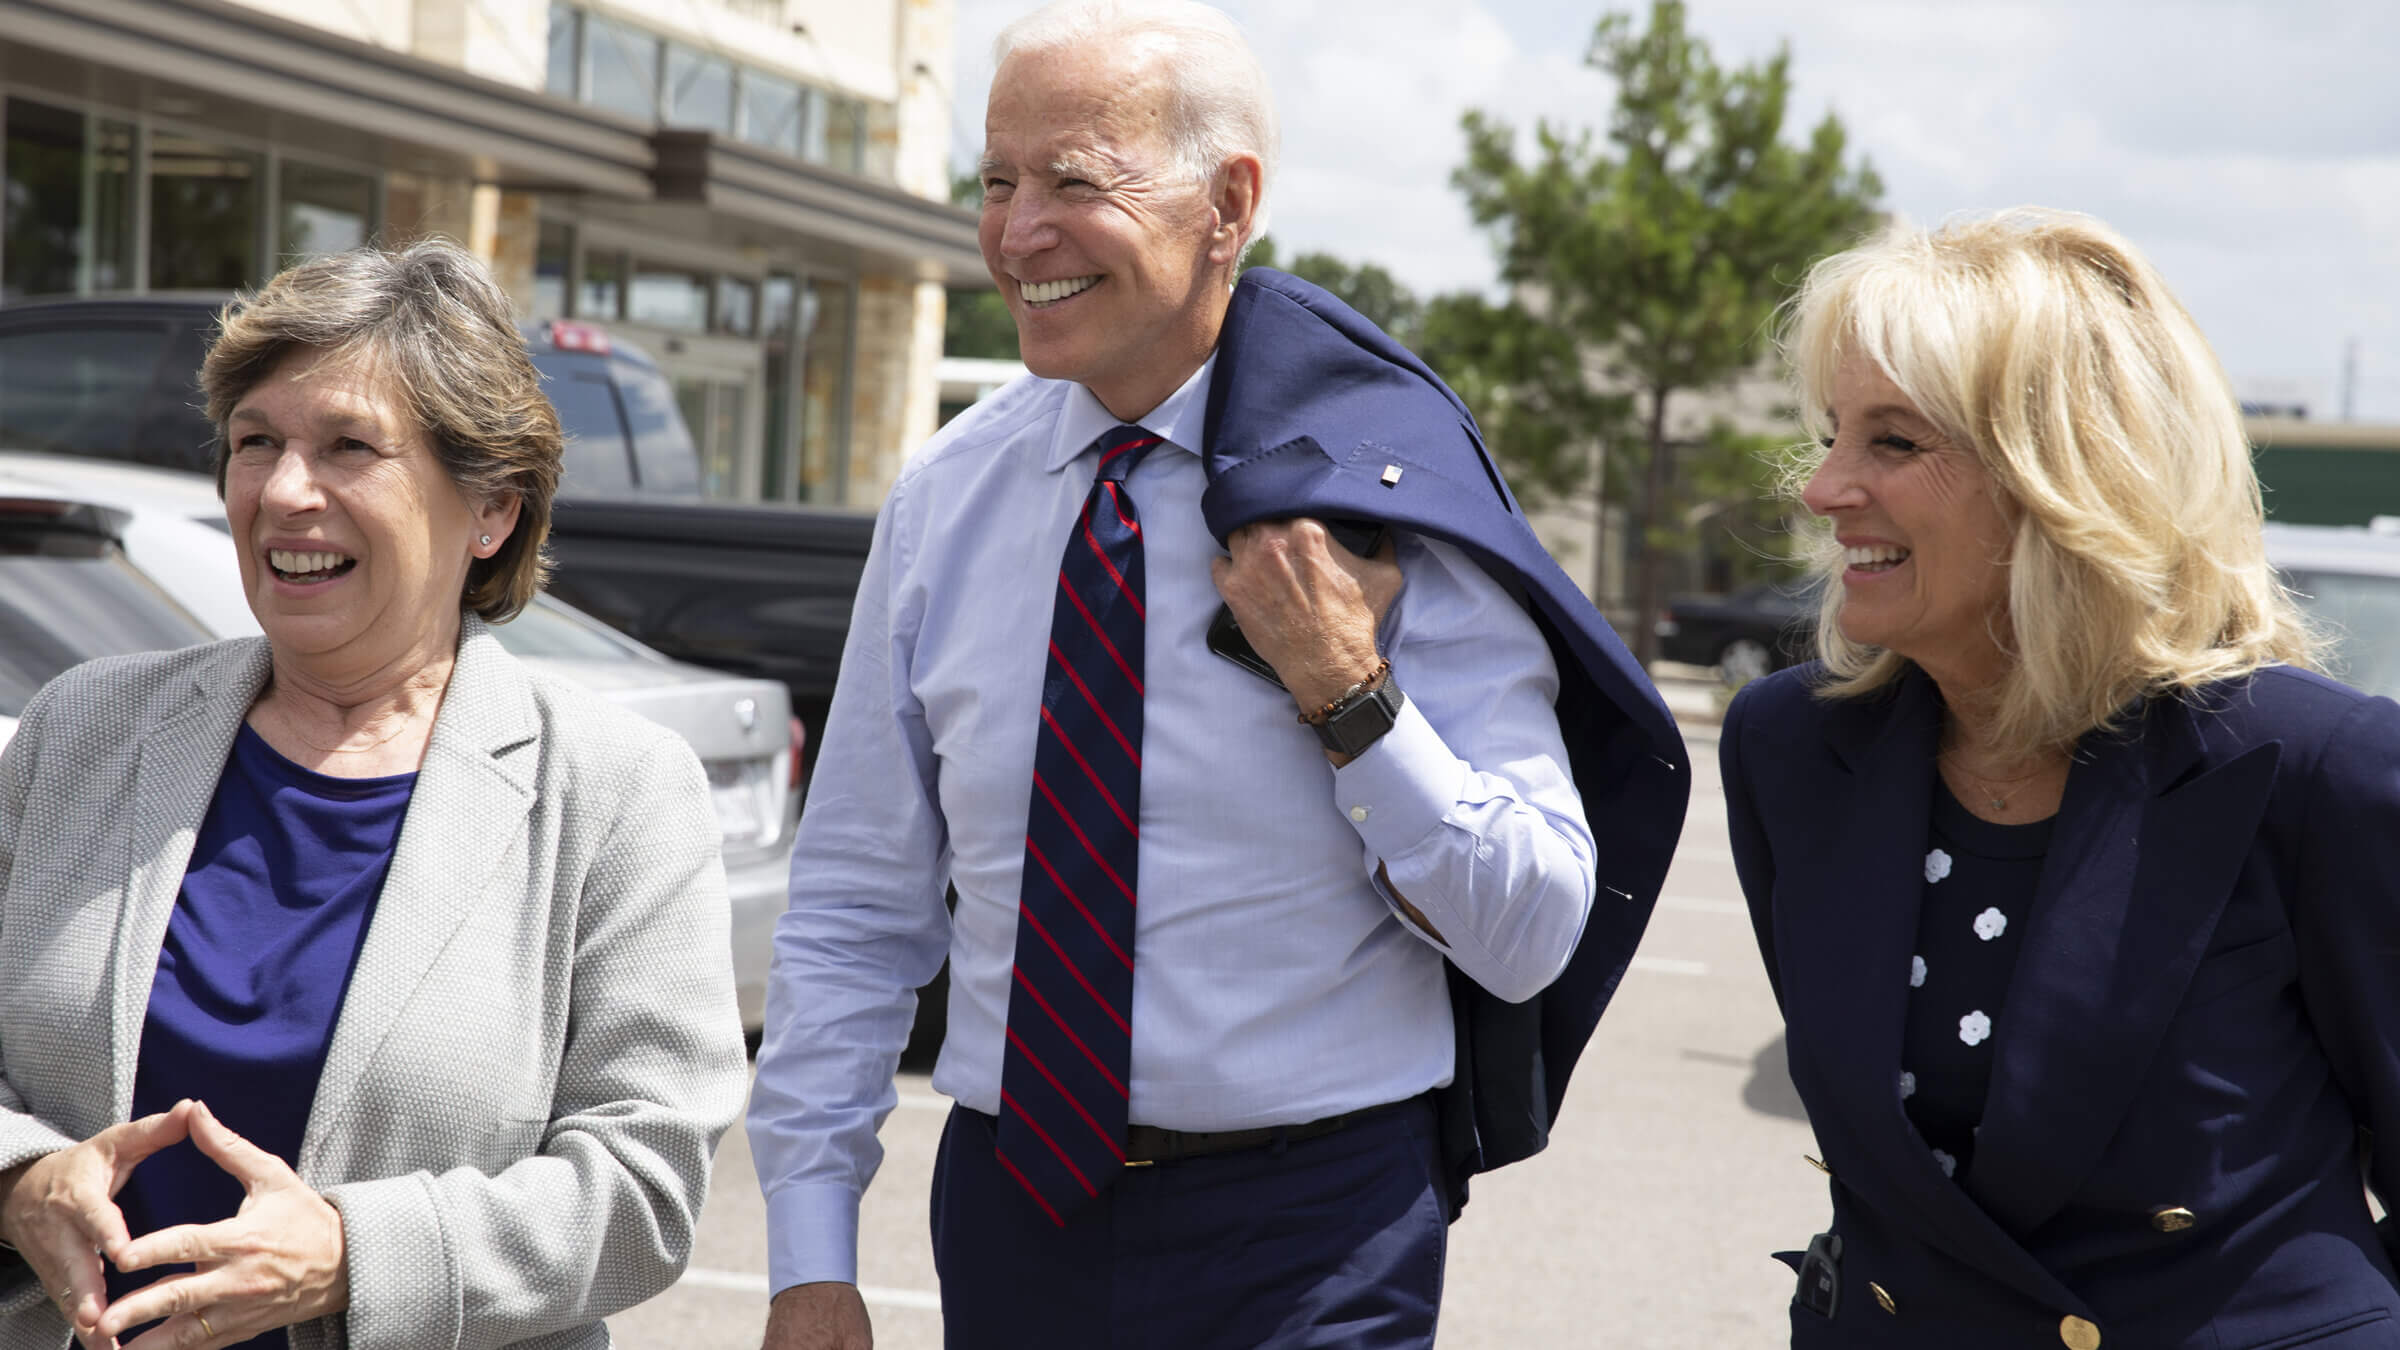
539 1046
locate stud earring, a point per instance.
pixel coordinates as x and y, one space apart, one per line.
487 541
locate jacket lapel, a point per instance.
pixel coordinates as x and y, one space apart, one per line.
182 755
474 787
2139 869
1845 926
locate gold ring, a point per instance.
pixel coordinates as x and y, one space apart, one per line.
205 1328
66 1296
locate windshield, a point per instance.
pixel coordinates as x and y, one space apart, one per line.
2362 615
545 629
66 598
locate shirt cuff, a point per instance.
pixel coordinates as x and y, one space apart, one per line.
812 1236
1401 787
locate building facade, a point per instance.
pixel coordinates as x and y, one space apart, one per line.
754 191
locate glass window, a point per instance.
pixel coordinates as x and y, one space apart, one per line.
602 292
669 297
845 134
721 461
624 68
69 202
76 391
771 112
699 90
737 307
547 628
173 429
826 324
662 440
812 125
204 214
67 596
597 458
324 211
553 258
776 300
566 51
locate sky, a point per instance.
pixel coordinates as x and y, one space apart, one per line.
2250 147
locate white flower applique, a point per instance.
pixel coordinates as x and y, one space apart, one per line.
1908 1085
1916 972
1949 1164
1937 865
1974 1027
1991 923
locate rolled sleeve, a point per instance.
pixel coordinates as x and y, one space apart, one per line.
1465 808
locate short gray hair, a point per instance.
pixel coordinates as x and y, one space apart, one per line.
444 330
1219 105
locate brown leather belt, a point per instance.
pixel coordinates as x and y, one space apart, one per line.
1148 1144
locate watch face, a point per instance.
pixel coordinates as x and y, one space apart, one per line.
1363 723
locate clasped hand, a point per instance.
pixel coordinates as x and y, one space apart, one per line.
279 1260
1310 607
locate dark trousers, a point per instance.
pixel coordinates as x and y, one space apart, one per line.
1332 1241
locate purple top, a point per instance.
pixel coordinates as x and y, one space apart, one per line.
275 906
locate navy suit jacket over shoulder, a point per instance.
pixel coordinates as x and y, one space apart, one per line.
2202 1021
1315 411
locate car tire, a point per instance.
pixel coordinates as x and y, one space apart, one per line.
1743 660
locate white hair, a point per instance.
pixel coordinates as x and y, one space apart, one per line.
1218 103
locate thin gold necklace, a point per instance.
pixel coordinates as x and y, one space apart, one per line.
1985 785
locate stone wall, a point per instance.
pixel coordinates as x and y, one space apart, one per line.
895 390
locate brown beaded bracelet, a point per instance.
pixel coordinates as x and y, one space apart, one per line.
1383 667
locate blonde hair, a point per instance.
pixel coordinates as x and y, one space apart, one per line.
441 329
2046 344
1218 103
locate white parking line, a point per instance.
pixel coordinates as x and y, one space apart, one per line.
1668 965
743 1282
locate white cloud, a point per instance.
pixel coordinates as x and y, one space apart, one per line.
2252 148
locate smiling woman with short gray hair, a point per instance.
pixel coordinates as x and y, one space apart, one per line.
423 956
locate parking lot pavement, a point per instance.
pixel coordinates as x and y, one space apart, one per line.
1677 1166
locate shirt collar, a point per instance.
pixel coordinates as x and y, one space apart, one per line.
1180 419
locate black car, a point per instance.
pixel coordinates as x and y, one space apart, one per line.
1757 630
115 377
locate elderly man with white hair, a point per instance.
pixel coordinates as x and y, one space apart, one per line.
1211 918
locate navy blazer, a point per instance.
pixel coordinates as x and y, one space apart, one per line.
2204 1015
1315 411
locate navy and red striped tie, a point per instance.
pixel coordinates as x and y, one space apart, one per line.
1070 1005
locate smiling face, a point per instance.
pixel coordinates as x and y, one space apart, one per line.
1925 532
354 543
1114 264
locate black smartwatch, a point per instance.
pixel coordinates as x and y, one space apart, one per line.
1359 722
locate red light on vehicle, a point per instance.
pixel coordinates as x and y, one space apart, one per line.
799 750
569 336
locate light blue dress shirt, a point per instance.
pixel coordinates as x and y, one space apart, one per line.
1274 983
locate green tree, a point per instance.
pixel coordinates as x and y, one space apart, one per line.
1663 249
975 320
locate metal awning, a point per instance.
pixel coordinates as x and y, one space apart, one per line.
515 137
775 189
526 137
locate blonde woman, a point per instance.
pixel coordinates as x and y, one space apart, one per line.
2080 894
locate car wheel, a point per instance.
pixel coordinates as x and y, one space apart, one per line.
1744 660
